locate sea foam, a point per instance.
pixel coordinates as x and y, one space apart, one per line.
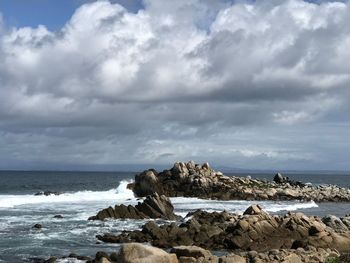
120 193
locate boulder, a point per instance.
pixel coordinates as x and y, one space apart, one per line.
253 210
279 179
334 222
191 251
138 253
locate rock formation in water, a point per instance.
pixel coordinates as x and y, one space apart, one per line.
154 206
254 230
194 180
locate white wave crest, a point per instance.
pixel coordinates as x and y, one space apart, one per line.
184 205
120 193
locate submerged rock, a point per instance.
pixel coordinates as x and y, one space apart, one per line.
37 226
154 206
47 193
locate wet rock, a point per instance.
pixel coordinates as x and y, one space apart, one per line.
37 226
51 260
47 193
58 216
154 206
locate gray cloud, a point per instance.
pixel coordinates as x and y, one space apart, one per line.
250 84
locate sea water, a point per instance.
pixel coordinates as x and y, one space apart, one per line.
83 194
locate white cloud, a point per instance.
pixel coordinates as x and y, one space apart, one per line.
176 69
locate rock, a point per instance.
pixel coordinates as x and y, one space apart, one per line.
51 260
138 253
37 226
253 210
232 259
146 183
58 216
334 222
154 206
293 258
279 179
191 251
47 193
101 254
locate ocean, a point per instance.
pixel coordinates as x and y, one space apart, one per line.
85 193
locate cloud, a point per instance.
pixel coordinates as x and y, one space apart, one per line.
114 81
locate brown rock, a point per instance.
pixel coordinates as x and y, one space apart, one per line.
138 253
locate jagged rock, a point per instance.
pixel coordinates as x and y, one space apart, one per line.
138 253
279 179
154 206
252 231
334 222
195 180
253 210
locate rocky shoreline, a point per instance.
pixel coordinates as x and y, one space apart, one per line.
253 237
141 253
195 180
255 230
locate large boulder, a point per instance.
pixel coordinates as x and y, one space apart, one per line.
146 183
154 206
139 253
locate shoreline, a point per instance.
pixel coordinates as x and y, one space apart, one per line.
200 191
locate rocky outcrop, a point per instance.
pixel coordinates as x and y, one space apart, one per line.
255 230
195 180
280 179
154 206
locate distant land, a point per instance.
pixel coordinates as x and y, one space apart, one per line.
158 167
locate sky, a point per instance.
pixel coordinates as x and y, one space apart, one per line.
245 84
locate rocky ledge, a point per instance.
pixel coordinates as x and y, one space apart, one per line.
154 206
254 230
195 180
